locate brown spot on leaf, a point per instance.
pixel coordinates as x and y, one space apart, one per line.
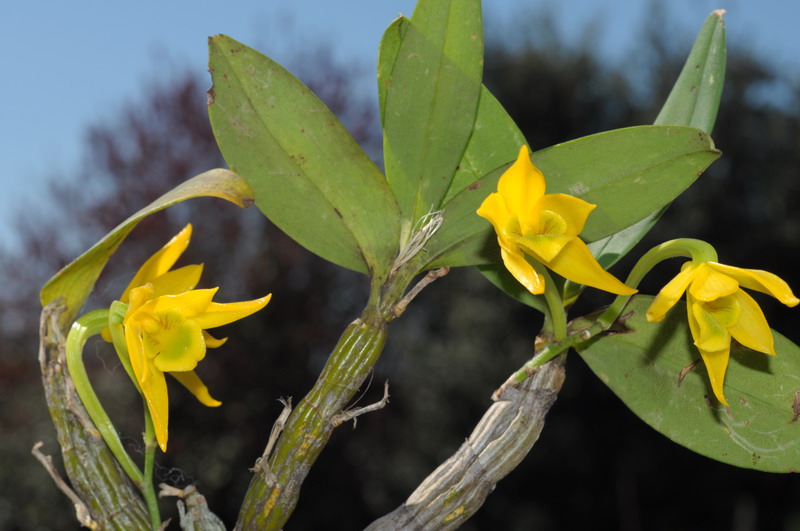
686 370
338 213
796 407
474 186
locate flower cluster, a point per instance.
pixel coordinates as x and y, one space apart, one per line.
718 310
165 327
545 227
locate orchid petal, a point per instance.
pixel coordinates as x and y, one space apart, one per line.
521 186
495 209
138 297
177 281
191 381
724 310
576 263
759 280
712 335
752 329
572 210
180 343
213 342
133 340
709 284
671 293
521 270
154 389
716 362
160 262
190 303
694 327
221 314
543 248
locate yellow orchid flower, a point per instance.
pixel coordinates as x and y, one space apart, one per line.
544 226
718 310
165 327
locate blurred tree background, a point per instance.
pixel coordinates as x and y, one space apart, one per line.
595 465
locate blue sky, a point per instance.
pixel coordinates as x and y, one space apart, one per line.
71 64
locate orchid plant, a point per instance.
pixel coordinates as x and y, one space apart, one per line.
460 189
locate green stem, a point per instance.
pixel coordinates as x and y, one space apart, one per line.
148 491
557 317
85 327
550 351
116 316
697 250
555 323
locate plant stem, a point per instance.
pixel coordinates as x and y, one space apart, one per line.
148 490
697 250
556 315
269 504
509 428
85 327
116 316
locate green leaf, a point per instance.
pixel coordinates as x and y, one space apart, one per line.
387 55
611 249
430 101
494 144
628 173
693 101
75 281
498 275
308 174
759 430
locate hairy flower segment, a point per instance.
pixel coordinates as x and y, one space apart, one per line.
718 310
545 227
165 327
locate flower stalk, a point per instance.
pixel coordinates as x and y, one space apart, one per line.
697 250
555 323
148 488
86 326
95 475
